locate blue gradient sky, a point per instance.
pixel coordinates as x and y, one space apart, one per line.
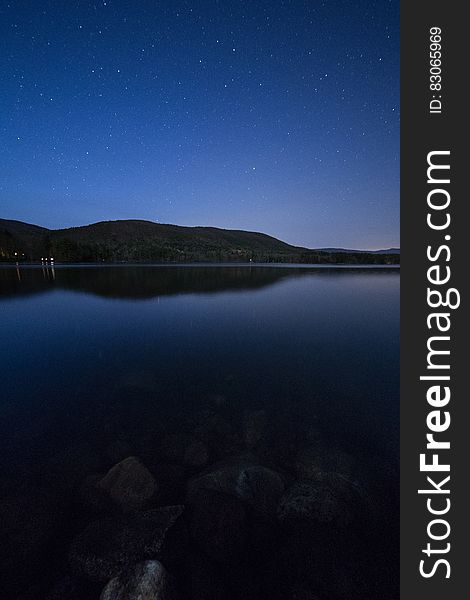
276 116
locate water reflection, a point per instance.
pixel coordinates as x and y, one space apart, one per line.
151 281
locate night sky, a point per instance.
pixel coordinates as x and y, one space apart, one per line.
274 116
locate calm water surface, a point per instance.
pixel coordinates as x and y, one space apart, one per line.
90 355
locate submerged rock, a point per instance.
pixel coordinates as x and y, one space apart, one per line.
148 580
218 524
258 486
109 545
312 501
129 483
329 499
311 462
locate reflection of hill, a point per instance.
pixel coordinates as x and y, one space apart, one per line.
147 282
139 282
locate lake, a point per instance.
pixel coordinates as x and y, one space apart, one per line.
263 399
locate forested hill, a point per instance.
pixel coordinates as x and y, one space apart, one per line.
145 241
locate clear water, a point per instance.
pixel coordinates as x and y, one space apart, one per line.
151 346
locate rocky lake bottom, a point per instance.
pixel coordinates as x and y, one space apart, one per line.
216 506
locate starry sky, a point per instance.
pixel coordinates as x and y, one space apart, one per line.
280 116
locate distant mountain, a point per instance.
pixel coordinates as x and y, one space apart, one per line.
387 251
145 241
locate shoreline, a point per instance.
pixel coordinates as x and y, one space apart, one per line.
203 264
